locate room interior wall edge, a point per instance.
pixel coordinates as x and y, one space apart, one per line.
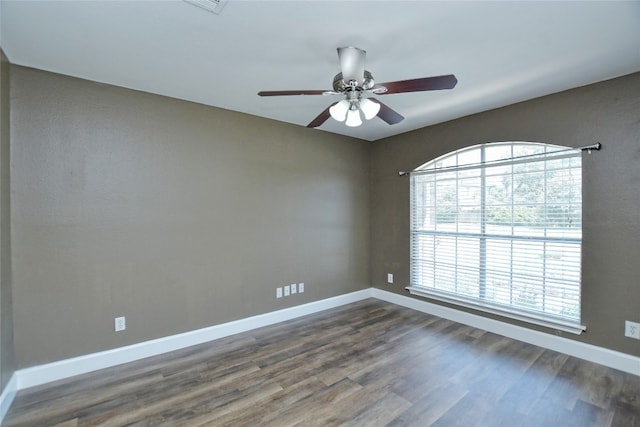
7 359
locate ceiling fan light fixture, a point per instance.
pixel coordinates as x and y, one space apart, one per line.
369 108
353 118
339 111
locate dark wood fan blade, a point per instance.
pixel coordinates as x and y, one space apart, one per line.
322 117
291 92
387 114
448 81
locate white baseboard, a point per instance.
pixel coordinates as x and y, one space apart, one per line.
7 396
42 374
49 372
613 359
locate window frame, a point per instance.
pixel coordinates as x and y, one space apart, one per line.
549 152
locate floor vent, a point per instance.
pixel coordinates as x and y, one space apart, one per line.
214 6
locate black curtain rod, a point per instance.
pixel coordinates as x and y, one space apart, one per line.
588 148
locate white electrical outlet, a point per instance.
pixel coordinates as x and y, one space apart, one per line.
300 288
294 288
120 324
286 291
278 292
632 329
389 278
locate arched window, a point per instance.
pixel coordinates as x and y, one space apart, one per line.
498 227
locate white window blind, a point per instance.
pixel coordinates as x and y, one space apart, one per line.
498 227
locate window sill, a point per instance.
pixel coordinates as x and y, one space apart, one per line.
556 324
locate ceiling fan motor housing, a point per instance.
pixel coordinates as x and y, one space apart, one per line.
340 85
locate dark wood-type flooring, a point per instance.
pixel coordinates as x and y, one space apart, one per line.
365 364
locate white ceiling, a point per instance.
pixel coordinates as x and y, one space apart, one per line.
501 52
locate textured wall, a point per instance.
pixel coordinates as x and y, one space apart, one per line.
608 112
6 308
181 216
173 214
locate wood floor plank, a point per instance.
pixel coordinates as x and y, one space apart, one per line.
379 411
466 412
369 363
435 402
318 409
535 381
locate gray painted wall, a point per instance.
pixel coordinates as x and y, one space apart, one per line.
608 112
7 365
176 215
181 216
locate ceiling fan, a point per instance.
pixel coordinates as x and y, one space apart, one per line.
353 82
